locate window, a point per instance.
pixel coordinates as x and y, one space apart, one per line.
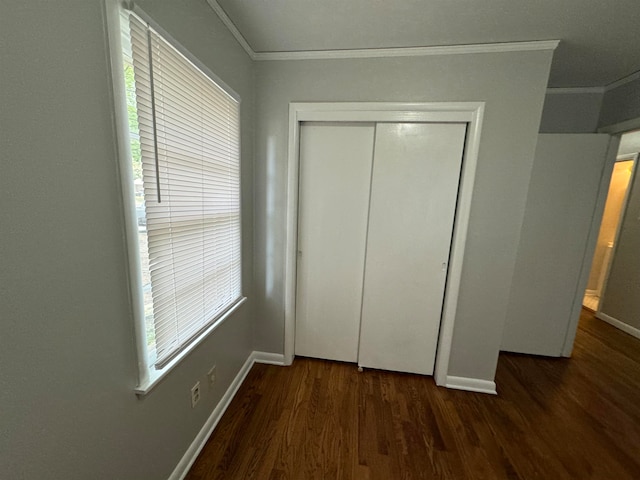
184 132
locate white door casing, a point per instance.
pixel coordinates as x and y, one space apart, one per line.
465 112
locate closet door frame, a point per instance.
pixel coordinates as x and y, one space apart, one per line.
470 113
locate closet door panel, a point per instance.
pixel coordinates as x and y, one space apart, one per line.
335 176
414 189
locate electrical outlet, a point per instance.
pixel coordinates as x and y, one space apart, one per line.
195 394
211 375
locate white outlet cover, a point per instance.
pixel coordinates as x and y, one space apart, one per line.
195 394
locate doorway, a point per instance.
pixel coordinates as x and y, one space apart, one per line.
615 206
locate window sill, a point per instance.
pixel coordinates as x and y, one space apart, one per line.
156 375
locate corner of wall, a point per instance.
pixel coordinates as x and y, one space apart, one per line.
621 104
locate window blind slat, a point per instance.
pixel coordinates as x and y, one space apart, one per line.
194 231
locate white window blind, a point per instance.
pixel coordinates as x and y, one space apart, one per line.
190 144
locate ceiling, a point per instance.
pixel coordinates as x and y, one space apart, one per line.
600 42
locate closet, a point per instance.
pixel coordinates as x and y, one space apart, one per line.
376 212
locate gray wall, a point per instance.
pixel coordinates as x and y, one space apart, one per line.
621 104
513 87
574 113
621 299
562 198
586 112
571 112
67 352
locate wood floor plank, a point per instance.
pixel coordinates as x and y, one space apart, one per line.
557 419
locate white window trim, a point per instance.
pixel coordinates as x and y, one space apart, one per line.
153 375
148 375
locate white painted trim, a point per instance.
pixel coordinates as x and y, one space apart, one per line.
471 385
606 88
590 247
626 157
268 358
309 110
467 179
621 127
623 211
502 47
291 246
121 123
155 376
594 90
378 52
409 51
622 81
575 90
463 112
198 443
626 328
222 15
205 432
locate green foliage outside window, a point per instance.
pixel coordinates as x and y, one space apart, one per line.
133 122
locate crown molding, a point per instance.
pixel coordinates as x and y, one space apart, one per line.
574 90
413 52
623 81
222 15
607 88
378 52
621 127
409 51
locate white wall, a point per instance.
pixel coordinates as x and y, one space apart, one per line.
67 353
513 87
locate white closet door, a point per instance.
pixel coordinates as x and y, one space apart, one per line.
414 189
335 176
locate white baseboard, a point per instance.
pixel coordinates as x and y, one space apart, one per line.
268 358
181 470
618 324
471 385
198 443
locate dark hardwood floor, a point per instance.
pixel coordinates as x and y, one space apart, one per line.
553 419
